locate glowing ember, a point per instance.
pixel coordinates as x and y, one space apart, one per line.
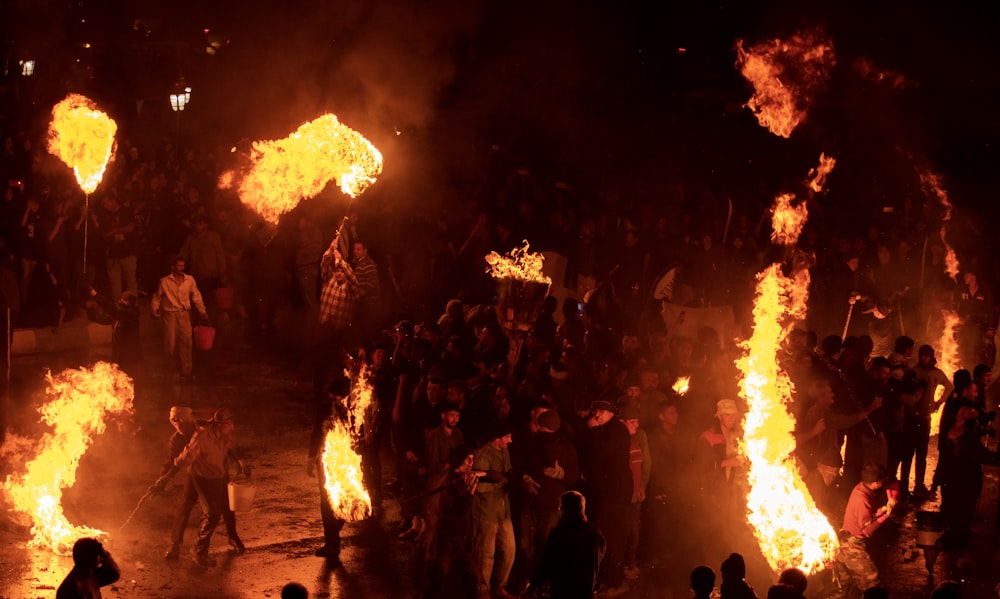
932 186
519 264
341 463
681 385
285 171
84 138
785 75
81 401
789 528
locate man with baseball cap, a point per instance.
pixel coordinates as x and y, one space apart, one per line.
205 457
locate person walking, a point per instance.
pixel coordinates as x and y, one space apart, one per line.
185 425
174 299
205 457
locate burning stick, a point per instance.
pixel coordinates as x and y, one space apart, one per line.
84 138
285 171
82 400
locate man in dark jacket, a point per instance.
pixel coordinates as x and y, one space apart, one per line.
572 554
605 468
550 470
93 568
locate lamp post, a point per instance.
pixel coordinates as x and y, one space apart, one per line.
27 67
179 99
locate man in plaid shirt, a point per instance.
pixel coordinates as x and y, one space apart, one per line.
337 305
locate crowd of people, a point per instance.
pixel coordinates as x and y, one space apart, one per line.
484 431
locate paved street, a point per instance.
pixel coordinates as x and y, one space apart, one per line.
268 395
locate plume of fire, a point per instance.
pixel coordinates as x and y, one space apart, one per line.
931 182
519 264
81 402
341 463
819 174
84 138
284 172
948 351
789 528
785 74
681 385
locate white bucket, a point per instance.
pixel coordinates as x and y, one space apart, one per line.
241 495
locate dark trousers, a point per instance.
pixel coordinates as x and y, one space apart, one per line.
917 436
611 521
189 497
213 495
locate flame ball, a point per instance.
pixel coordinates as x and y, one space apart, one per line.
84 138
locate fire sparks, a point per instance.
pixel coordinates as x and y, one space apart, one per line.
84 138
341 463
789 528
286 171
785 74
819 174
681 385
519 264
81 401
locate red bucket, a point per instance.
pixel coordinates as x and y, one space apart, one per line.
204 337
224 298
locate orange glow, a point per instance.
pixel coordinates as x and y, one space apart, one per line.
84 138
81 402
519 264
681 385
932 185
789 528
341 462
785 74
285 171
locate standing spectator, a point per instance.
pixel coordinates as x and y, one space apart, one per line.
118 228
32 245
571 557
174 298
93 568
369 291
206 260
702 582
917 418
448 513
853 567
734 584
126 346
641 465
605 468
491 516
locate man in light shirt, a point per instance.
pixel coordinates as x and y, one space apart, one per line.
174 299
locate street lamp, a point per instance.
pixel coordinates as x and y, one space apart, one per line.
179 100
27 67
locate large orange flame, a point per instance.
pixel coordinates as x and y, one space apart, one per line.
785 75
948 351
519 264
789 528
84 138
81 402
341 463
286 171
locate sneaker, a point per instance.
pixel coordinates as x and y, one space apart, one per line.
237 546
203 560
173 553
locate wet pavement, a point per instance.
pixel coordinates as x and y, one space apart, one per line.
269 395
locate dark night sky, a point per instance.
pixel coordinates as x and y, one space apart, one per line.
594 93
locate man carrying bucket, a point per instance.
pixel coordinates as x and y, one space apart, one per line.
205 455
174 298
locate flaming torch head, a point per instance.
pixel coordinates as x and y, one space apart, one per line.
84 138
286 171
